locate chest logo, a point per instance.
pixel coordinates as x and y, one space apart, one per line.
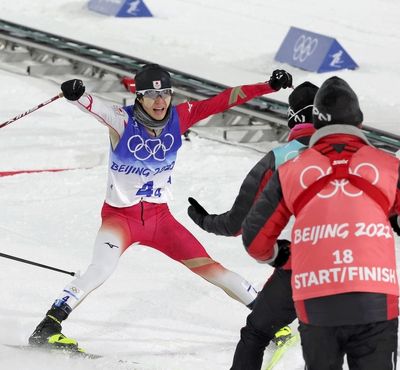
156 148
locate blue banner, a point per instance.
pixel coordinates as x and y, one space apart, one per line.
120 8
313 52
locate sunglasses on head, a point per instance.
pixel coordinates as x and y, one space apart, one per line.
154 94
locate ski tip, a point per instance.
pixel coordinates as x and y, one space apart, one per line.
80 353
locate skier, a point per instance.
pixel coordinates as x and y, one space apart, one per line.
342 192
274 307
144 139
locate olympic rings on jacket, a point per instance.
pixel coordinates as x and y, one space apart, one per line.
312 173
145 149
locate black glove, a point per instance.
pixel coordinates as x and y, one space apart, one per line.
196 212
283 253
280 79
73 89
394 224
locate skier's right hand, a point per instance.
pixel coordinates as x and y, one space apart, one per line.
196 211
73 89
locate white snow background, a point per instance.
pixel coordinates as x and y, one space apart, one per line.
152 310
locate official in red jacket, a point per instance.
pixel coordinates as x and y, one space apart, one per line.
341 191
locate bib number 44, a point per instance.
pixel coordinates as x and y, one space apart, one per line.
148 190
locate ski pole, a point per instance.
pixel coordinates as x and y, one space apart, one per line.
41 105
36 264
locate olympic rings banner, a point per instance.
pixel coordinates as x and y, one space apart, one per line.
120 8
313 52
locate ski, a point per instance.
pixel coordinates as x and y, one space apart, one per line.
280 351
62 351
80 354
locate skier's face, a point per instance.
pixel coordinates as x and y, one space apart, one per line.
156 102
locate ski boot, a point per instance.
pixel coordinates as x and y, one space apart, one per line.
48 332
282 336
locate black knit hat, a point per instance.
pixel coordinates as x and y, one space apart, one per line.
152 76
301 103
336 103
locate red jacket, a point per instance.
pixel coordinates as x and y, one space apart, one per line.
341 240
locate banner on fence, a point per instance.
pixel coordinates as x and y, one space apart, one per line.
120 8
313 52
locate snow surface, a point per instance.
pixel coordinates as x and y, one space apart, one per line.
154 311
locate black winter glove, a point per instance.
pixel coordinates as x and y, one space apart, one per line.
73 89
395 225
283 253
280 79
196 212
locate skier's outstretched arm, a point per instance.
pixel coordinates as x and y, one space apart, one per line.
192 112
112 116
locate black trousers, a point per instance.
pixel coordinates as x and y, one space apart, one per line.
272 310
367 346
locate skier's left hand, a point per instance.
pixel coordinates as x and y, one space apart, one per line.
196 212
280 79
